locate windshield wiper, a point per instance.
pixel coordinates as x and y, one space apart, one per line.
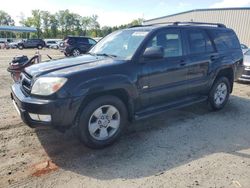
103 54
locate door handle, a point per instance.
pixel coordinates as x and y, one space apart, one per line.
182 63
213 57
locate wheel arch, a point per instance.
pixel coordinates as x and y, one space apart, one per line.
120 93
227 72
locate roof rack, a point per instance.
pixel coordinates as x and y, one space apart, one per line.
199 23
186 23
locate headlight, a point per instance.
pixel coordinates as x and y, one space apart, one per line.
47 85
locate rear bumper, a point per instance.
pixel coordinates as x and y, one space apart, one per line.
62 111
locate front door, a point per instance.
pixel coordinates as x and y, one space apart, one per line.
166 76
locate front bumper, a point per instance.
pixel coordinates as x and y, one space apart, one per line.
246 74
62 111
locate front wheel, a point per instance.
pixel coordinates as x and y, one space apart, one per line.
20 47
219 93
39 47
102 121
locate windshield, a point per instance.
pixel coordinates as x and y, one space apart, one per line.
121 44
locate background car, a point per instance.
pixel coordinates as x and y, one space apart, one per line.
50 42
56 45
4 45
74 46
244 48
246 73
32 43
13 45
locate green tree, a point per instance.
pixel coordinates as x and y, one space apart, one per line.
5 19
54 23
45 16
85 22
94 25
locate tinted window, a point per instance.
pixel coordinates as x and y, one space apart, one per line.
70 41
225 40
82 40
171 42
199 42
92 42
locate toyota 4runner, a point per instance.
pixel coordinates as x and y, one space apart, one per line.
129 75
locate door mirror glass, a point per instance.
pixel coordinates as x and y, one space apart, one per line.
154 52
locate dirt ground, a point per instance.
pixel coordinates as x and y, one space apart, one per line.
191 147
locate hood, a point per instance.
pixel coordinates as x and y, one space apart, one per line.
68 65
247 60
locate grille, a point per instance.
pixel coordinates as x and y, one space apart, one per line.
26 82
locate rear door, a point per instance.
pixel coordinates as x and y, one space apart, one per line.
201 54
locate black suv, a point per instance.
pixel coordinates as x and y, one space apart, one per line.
129 75
74 46
31 43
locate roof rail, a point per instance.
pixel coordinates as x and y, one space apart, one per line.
135 26
199 23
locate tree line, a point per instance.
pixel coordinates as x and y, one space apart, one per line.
60 24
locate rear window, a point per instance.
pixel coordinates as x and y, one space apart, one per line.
226 40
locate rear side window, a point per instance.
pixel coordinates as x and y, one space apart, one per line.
199 42
82 40
225 40
70 41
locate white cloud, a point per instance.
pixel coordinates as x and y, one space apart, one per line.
231 3
110 18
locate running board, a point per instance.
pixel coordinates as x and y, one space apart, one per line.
170 106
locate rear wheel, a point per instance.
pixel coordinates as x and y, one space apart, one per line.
76 52
102 121
219 93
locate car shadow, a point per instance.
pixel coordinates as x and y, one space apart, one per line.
157 144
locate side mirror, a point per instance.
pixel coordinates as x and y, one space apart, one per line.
155 52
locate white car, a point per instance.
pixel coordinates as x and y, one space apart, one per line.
56 45
244 48
246 73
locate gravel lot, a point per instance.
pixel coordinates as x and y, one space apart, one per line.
191 147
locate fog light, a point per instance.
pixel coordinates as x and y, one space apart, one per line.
34 116
40 117
46 118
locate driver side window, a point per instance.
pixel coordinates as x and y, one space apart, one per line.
170 41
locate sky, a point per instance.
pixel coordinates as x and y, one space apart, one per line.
115 12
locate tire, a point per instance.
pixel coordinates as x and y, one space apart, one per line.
91 129
219 93
40 47
20 47
76 52
67 55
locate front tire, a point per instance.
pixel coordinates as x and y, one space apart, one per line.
20 47
219 93
40 47
102 121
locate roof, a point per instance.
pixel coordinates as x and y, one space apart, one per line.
198 10
17 28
